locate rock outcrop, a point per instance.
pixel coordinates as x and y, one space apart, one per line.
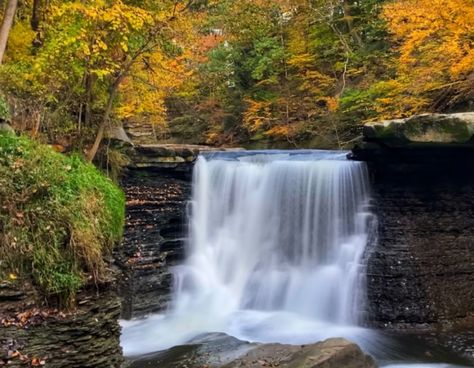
332 353
421 129
222 351
421 268
169 156
86 337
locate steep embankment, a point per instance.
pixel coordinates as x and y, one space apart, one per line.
59 220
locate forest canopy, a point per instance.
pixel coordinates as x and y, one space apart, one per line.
266 72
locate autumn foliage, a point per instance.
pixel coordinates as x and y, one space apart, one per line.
267 72
435 42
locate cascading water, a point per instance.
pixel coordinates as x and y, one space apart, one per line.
275 251
273 233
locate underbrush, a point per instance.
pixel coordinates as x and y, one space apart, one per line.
59 218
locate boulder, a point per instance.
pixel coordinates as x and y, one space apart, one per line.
422 129
332 353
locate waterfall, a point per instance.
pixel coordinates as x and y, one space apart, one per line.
275 251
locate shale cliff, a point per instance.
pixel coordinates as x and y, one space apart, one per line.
88 336
421 267
158 187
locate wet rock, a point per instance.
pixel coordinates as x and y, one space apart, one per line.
207 350
87 337
220 350
332 353
154 238
157 187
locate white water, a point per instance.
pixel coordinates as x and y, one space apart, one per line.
275 254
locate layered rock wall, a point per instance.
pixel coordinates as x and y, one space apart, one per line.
421 268
86 337
158 188
154 237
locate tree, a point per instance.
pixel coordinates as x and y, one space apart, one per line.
7 25
96 62
435 41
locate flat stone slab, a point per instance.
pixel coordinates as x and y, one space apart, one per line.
170 156
423 129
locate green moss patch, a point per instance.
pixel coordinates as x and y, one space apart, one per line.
59 218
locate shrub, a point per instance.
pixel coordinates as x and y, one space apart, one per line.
4 109
59 218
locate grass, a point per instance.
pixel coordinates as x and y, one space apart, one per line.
59 218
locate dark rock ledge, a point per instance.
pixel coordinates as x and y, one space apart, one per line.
86 337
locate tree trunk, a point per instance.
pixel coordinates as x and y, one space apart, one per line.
35 15
88 104
105 119
7 25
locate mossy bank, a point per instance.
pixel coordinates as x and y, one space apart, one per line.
59 219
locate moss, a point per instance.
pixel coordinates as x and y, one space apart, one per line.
59 218
437 130
422 129
389 131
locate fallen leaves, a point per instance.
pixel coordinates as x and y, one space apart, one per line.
17 355
31 317
36 362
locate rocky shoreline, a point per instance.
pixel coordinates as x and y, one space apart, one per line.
88 336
